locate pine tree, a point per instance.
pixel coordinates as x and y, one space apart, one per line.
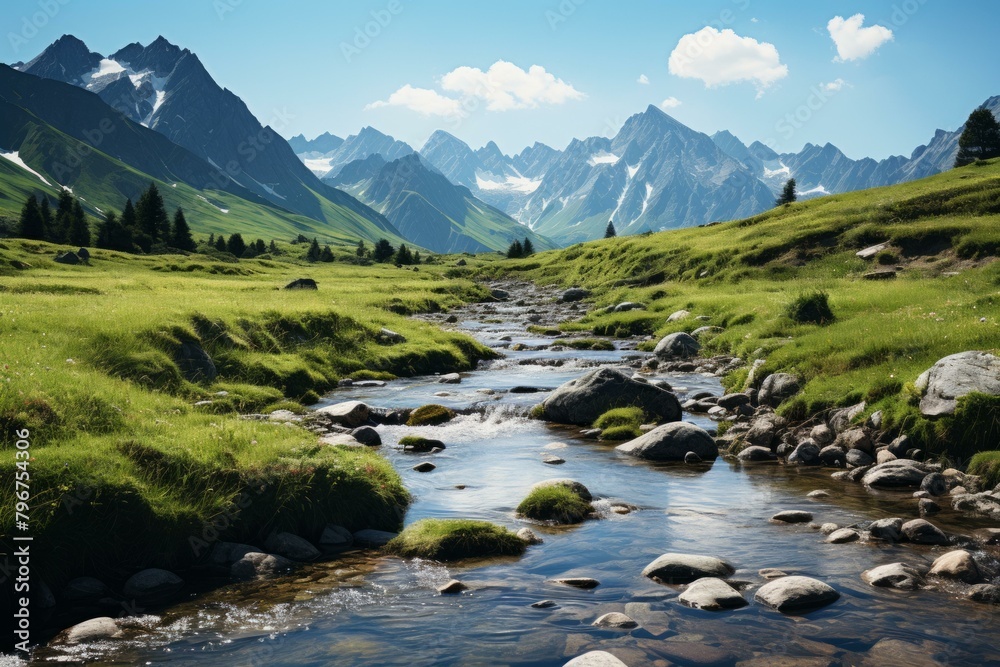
403 255
128 216
313 254
79 230
105 237
130 226
610 232
64 219
788 195
211 239
326 255
416 257
515 250
528 247
260 246
152 215
31 226
236 245
273 248
383 251
180 234
220 243
46 211
980 139
362 250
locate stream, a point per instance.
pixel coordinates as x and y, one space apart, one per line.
366 609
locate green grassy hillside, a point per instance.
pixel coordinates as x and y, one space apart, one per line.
90 365
942 234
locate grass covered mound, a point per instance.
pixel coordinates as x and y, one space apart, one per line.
557 504
620 423
430 415
986 464
455 539
130 373
585 343
749 277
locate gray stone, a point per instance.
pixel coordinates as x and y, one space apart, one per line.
678 345
615 620
921 531
227 553
152 585
988 593
499 294
366 435
856 438
889 530
899 446
348 413
806 453
335 538
450 378
595 659
796 594
626 306
585 583
574 294
822 434
841 419
582 400
453 587
859 458
692 458
901 473
671 442
843 536
302 283
528 536
678 315
543 604
928 507
958 564
894 575
777 388
934 484
552 459
833 455
955 376
70 258
388 336
291 546
792 516
574 486
829 528
258 565
754 453
674 568
95 629
370 537
712 594
732 401
701 332
424 466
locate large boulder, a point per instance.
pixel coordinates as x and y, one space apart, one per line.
70 258
152 585
571 484
583 400
712 594
574 294
291 546
921 531
901 473
792 594
894 575
595 659
259 565
777 388
671 442
302 283
955 376
675 568
678 345
957 564
95 629
348 413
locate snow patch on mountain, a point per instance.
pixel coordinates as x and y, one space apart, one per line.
603 158
106 72
14 157
521 184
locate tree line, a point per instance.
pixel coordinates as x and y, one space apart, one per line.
519 249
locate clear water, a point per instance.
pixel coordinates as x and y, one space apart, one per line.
363 609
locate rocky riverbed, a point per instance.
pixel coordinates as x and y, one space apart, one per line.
823 543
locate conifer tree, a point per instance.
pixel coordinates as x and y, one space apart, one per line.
610 232
326 255
980 139
236 245
64 218
46 211
260 246
152 215
383 251
31 225
788 195
403 255
416 257
361 250
313 254
211 239
273 248
181 234
79 230
220 243
528 248
515 250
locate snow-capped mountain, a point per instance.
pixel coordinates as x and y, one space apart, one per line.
324 143
367 142
167 89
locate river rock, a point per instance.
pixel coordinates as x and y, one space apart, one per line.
833 456
291 546
595 659
152 585
927 507
894 575
840 420
258 565
884 456
571 484
792 516
733 401
674 568
889 530
672 442
763 430
390 337
528 536
585 583
453 587
712 594
85 590
955 376
934 484
982 503
366 435
805 453
450 378
678 345
988 593
616 620
370 537
859 458
701 332
552 459
829 528
895 474
582 400
95 629
754 453
795 594
424 466
499 294
856 438
900 445
335 538
574 294
822 434
348 413
958 564
776 388
626 306
843 536
921 531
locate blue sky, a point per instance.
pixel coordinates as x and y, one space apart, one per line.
574 65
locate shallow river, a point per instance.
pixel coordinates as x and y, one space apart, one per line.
369 610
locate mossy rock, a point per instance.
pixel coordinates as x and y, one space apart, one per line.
986 464
416 443
621 433
455 539
557 504
620 417
430 415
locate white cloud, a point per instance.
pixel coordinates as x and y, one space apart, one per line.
643 79
854 42
834 86
721 58
422 100
754 20
670 103
506 86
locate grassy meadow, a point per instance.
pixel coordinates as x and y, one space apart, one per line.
942 234
126 470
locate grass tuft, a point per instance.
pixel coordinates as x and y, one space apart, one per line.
557 504
455 539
